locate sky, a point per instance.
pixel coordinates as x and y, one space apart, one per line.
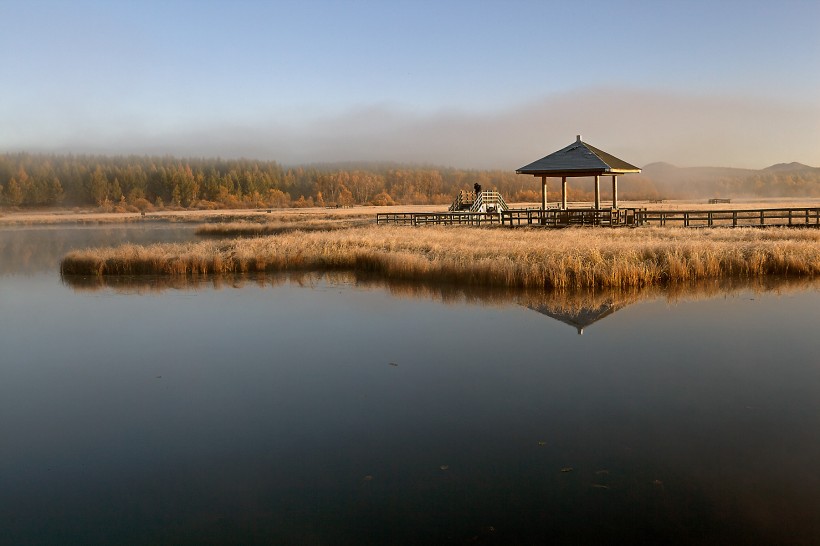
468 84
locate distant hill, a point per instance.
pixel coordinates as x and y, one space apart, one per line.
659 165
793 166
780 180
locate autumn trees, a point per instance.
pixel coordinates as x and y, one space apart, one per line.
40 180
19 188
141 182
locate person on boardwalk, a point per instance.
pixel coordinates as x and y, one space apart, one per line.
477 188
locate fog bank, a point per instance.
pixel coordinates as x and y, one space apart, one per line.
638 126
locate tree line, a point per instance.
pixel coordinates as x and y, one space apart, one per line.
142 182
131 183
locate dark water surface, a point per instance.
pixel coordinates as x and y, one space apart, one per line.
323 410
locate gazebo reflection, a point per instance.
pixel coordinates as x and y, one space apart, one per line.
582 317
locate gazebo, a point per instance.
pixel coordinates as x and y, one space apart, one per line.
579 159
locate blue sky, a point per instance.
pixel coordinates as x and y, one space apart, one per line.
484 84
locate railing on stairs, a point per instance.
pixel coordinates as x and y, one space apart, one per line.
464 200
489 201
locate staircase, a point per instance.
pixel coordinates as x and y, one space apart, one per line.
464 200
489 201
485 201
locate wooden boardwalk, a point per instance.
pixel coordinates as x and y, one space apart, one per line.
569 217
808 216
513 217
794 217
439 218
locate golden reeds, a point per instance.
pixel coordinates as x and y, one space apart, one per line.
278 227
522 258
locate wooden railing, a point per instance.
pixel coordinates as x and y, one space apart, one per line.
729 218
491 201
568 217
472 202
398 218
440 218
463 201
612 217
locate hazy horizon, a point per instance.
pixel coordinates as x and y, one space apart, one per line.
480 85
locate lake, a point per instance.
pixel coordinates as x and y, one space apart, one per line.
331 409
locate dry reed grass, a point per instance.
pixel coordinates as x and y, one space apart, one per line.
280 226
520 258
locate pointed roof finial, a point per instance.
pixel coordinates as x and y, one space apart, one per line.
577 138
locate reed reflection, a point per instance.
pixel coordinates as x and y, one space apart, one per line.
26 250
577 309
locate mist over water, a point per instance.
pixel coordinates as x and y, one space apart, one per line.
639 126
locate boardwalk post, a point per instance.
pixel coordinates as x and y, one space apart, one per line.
543 193
564 192
614 191
597 192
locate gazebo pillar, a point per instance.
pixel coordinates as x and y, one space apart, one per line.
614 191
563 193
597 192
543 193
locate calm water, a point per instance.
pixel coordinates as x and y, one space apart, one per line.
331 411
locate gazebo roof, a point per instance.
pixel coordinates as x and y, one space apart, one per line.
578 159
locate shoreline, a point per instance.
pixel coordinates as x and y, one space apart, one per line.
12 217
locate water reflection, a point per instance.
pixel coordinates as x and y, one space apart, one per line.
25 250
342 409
577 309
582 317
